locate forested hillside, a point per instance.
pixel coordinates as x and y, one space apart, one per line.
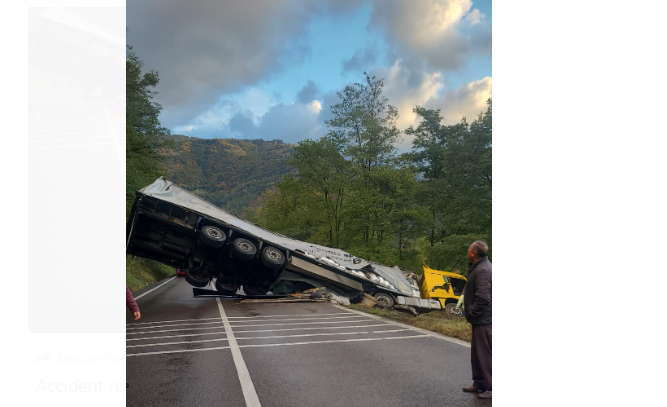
352 190
349 189
231 174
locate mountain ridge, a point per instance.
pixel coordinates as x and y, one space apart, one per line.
230 173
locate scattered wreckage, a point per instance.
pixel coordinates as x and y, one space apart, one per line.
172 226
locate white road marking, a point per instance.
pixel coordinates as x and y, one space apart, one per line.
260 330
266 337
175 351
171 330
167 326
177 320
153 289
299 319
174 336
249 393
309 329
291 315
328 333
175 343
333 341
424 331
281 344
219 322
296 323
230 318
239 326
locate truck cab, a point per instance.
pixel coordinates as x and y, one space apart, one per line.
444 286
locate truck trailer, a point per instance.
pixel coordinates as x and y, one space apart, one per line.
170 225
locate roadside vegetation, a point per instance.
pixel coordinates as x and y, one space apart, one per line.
141 272
144 137
435 321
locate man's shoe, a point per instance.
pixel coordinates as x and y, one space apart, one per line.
485 395
472 389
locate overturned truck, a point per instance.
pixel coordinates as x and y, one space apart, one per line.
172 226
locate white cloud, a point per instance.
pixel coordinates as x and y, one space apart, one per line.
474 17
291 123
288 122
406 89
467 101
429 30
315 106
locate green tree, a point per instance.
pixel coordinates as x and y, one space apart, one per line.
144 139
455 165
364 123
316 193
429 151
144 133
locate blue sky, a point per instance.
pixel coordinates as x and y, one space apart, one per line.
270 68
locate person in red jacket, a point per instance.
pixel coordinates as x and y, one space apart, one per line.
131 303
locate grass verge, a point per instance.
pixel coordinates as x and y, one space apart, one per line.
436 321
141 272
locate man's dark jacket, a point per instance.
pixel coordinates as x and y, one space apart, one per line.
477 294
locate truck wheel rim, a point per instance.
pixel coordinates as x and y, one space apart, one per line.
273 254
213 233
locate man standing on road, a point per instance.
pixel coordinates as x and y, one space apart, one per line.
131 303
477 303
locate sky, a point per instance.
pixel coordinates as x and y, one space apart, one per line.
270 69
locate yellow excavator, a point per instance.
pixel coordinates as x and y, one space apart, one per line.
444 286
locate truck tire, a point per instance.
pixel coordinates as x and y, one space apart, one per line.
272 258
225 288
384 300
244 249
212 236
197 280
254 290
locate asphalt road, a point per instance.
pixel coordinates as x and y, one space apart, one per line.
203 351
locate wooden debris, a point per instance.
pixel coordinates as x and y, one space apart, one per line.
287 300
312 290
368 300
310 295
300 296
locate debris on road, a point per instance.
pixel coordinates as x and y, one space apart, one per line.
286 300
369 300
318 294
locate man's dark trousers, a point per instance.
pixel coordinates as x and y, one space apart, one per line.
481 356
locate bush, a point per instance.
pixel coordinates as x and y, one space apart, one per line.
141 272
